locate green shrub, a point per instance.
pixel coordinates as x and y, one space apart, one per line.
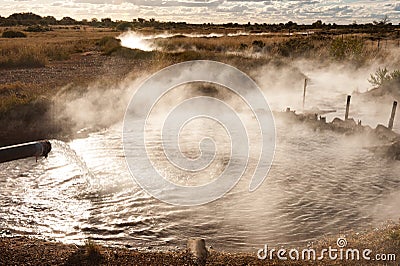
351 48
37 28
383 76
13 34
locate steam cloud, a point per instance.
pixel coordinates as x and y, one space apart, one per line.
328 85
99 106
135 40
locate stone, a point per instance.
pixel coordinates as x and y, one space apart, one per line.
197 247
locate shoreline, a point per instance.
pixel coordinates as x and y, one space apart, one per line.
23 250
26 250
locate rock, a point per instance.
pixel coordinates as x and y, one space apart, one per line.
394 150
385 133
197 247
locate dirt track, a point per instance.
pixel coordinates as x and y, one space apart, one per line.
81 68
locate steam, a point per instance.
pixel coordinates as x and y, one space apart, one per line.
98 106
327 87
102 104
135 40
282 83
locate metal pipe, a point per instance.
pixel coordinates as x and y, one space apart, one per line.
346 116
391 121
25 150
304 93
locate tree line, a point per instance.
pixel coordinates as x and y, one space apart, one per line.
30 19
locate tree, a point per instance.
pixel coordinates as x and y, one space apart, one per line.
94 22
107 22
49 20
25 18
317 24
290 24
383 22
67 21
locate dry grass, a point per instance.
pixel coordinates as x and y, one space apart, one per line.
15 55
93 252
41 47
17 93
352 47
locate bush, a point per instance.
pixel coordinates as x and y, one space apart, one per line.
295 47
347 48
37 28
258 45
109 44
124 26
57 52
106 39
13 34
134 54
383 76
243 46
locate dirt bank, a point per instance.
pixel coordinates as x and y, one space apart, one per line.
20 250
26 95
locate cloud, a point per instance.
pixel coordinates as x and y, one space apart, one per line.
234 9
158 3
217 11
95 2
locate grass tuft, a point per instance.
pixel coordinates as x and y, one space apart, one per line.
93 252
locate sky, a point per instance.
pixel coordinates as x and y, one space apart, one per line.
215 11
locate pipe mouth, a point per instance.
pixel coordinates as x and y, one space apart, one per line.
46 146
